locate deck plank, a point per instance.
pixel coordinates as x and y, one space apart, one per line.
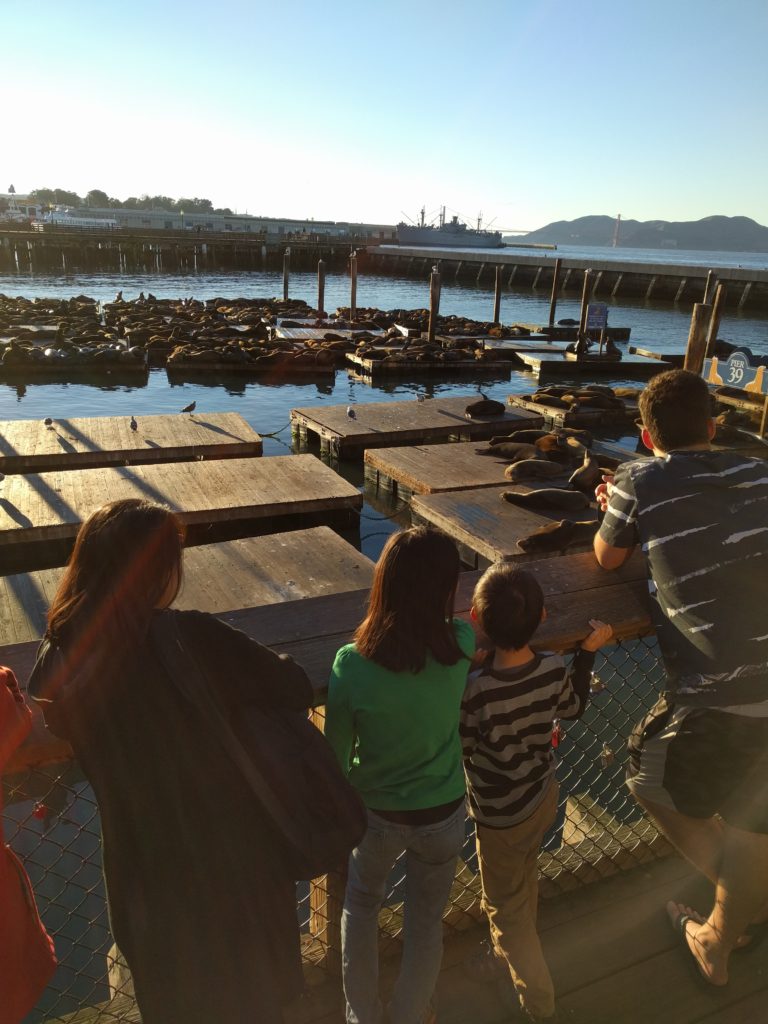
51 506
28 446
381 424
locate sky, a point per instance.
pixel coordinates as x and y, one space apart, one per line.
529 111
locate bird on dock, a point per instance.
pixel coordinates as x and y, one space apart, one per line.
48 422
351 414
134 424
421 398
190 408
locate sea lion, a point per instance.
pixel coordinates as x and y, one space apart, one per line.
532 469
558 536
555 447
483 407
511 451
600 389
554 401
633 393
548 497
587 476
520 436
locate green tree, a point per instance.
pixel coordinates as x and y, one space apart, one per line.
97 199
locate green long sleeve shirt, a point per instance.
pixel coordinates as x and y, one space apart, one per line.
396 734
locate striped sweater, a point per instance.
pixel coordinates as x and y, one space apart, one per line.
506 732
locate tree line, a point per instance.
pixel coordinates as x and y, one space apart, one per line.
100 200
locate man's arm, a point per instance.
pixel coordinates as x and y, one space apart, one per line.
616 539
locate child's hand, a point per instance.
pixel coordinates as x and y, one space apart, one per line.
603 491
479 658
601 634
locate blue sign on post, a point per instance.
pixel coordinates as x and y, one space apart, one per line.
597 316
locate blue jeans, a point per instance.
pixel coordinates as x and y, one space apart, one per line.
430 867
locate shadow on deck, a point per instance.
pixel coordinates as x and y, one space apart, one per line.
613 957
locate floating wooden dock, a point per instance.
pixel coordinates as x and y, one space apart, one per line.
427 368
434 468
257 495
307 333
543 366
570 332
591 418
672 358
511 347
382 424
29 446
195 371
244 573
485 528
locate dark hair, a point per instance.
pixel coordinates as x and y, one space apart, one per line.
126 557
411 603
508 603
676 408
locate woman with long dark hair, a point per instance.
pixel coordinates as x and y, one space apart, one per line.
199 903
393 720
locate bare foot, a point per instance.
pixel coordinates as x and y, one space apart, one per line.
701 942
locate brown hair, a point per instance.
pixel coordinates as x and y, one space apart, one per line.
126 557
411 603
508 603
676 408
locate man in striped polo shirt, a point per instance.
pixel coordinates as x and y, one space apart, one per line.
507 715
699 760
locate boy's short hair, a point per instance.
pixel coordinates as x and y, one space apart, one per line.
676 408
508 603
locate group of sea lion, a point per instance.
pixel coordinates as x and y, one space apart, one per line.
588 398
538 455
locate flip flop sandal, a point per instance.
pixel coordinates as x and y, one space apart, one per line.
693 964
757 934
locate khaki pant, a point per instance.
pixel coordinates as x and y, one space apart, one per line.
509 873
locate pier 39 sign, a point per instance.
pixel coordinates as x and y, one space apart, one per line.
738 371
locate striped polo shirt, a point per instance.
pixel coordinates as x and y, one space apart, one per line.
702 520
506 732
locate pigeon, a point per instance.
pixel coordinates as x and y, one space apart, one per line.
48 422
134 424
190 407
351 413
420 398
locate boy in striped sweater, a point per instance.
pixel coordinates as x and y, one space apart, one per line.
507 717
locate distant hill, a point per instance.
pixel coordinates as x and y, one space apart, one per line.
725 234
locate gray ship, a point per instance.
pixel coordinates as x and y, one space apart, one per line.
450 234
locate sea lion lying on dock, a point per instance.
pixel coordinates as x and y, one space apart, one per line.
555 447
533 469
587 476
520 436
548 497
483 407
558 536
511 451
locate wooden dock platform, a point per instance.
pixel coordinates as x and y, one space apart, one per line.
511 347
382 424
245 573
426 368
543 366
434 468
261 495
29 446
307 333
485 528
570 332
591 418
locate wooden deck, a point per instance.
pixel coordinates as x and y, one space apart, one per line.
45 507
569 332
382 424
424 368
307 333
244 573
486 528
29 446
538 343
543 366
433 468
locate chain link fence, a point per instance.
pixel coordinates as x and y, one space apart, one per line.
51 820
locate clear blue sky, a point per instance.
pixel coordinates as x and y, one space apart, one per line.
529 110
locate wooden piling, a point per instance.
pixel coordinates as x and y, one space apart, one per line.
320 288
286 273
714 323
709 287
696 348
497 297
353 286
585 294
555 284
434 303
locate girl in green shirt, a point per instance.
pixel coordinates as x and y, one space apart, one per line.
392 717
